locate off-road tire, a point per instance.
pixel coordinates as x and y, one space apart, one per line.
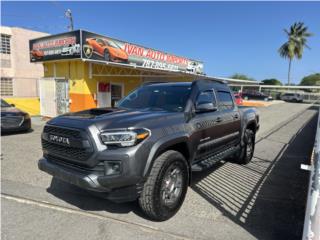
150 198
242 156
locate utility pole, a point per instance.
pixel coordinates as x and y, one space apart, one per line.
68 15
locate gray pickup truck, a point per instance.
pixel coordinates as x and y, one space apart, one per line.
148 146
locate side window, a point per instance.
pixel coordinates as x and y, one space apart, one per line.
206 97
225 100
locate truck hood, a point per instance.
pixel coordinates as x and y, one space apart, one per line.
115 118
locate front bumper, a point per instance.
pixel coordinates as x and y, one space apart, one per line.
114 188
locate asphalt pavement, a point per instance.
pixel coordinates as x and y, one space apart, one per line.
262 200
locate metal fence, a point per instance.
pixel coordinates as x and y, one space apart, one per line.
311 97
311 229
307 97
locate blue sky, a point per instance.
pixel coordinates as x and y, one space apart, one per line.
230 37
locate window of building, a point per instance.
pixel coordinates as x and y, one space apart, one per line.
225 100
5 63
6 87
5 44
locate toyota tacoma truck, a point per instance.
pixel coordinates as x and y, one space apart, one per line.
147 147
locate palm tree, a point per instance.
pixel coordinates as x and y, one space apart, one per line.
297 40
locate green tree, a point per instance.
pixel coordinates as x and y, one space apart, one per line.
297 39
272 81
241 77
311 80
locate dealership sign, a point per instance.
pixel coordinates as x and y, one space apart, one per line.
87 45
54 47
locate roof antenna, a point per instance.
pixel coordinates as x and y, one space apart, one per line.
68 15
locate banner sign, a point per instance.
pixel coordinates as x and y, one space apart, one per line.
87 45
55 47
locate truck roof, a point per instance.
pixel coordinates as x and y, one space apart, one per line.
180 83
168 83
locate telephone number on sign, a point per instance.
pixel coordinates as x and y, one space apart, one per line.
159 65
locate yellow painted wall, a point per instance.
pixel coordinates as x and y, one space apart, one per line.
83 89
78 74
29 105
75 71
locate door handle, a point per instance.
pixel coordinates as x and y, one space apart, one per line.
219 119
236 116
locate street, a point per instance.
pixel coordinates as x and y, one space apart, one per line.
262 200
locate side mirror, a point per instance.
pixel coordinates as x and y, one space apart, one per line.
12 105
205 107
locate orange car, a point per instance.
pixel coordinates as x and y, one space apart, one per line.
108 49
36 54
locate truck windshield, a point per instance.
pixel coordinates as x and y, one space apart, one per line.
157 97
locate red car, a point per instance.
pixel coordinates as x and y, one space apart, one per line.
36 54
108 49
238 98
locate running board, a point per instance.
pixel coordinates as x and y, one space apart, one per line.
209 161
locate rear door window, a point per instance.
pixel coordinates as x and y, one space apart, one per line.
225 100
206 96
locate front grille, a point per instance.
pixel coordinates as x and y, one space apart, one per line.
79 154
62 131
68 153
11 121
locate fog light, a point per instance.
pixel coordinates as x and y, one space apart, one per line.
112 168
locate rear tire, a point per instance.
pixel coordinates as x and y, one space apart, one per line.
245 154
166 187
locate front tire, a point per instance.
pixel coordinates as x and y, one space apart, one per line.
245 154
166 187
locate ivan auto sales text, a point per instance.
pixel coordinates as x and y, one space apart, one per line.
156 59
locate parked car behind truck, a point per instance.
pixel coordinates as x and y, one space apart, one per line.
13 119
255 95
238 99
148 146
292 97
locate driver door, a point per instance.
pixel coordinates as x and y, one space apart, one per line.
205 125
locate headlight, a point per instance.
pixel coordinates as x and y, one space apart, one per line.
125 138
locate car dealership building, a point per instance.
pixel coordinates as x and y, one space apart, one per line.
86 70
